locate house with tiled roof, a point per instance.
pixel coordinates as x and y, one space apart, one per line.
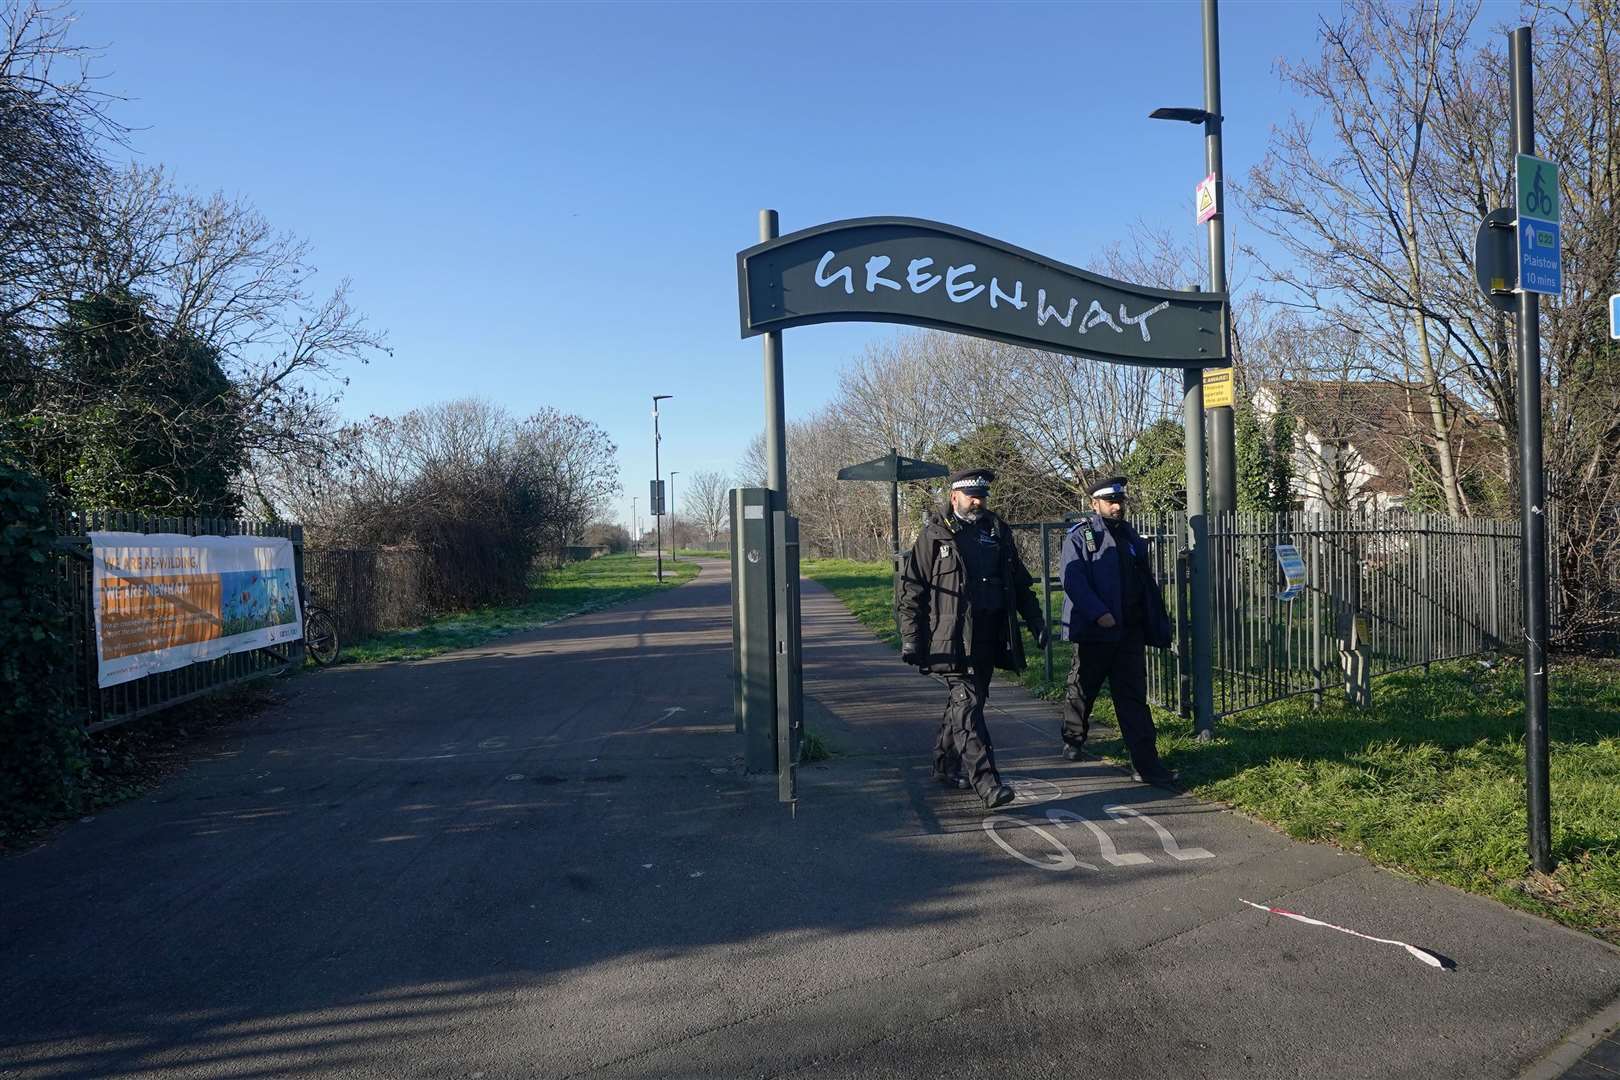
1356 441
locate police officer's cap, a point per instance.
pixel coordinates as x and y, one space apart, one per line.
1111 488
973 481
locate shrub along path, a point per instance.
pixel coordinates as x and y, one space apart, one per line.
1430 780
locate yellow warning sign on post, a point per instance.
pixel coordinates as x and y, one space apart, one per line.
1217 387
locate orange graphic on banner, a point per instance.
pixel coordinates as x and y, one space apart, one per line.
150 613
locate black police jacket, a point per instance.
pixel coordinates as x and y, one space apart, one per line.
935 615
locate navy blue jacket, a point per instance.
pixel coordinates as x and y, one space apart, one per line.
1092 570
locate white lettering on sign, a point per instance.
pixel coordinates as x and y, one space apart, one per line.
1140 321
961 289
874 270
845 272
1042 312
919 281
1095 315
1016 299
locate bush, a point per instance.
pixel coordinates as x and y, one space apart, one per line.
482 496
44 758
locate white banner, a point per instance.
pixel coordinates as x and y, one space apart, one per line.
165 600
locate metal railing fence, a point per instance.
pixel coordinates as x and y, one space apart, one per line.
1388 591
102 707
1395 590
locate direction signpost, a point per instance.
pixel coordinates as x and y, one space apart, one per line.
893 468
1540 254
1614 317
1513 279
1539 272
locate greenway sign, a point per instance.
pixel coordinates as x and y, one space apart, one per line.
923 273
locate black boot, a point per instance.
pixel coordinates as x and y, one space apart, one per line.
1000 795
1157 776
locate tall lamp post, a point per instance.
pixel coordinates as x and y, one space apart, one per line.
674 541
658 516
1222 451
1222 476
635 529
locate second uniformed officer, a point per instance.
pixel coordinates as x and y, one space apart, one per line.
1112 610
962 588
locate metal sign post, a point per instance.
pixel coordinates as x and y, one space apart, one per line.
658 488
893 469
1538 191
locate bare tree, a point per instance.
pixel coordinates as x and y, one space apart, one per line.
214 270
1348 207
708 501
53 125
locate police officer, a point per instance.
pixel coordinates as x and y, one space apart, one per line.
1112 610
962 587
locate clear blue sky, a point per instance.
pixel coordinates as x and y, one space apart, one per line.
542 204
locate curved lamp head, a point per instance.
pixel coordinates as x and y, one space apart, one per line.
1177 112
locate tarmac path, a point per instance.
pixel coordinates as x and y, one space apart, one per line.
539 858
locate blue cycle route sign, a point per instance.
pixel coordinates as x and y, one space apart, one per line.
1614 317
1540 253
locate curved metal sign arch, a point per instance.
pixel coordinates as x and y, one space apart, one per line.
923 273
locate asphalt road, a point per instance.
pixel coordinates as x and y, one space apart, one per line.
540 859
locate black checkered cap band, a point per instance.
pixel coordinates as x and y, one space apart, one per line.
971 483
1108 489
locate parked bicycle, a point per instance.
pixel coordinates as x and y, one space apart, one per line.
320 633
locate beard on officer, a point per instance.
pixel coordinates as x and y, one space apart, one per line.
962 587
1112 610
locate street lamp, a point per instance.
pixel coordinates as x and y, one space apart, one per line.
674 541
1222 466
657 472
1222 474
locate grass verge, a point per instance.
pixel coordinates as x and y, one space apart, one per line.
568 590
1429 780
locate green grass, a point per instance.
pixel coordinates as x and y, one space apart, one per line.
557 594
699 553
1429 780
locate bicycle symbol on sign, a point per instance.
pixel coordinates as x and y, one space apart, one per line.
1538 201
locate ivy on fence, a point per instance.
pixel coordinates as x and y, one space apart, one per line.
44 754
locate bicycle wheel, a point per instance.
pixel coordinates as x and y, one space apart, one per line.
320 636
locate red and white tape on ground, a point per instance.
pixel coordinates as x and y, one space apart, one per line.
1434 960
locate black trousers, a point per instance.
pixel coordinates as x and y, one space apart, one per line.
964 740
1123 665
